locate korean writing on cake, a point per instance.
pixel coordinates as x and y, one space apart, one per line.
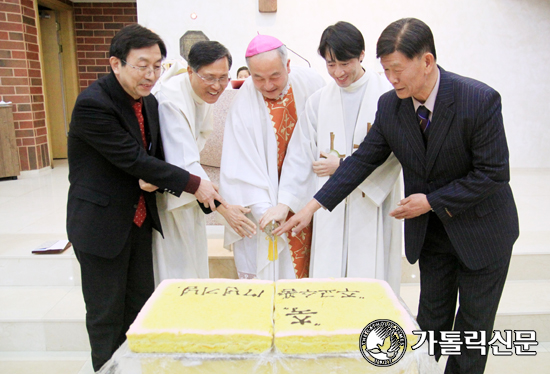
228 291
291 293
301 316
306 316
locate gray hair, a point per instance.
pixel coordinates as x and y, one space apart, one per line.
283 53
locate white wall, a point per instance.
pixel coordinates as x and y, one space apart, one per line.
500 42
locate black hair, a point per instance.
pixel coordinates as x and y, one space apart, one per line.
410 36
241 69
341 41
207 52
131 37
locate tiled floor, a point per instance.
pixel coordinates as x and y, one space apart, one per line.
45 363
32 211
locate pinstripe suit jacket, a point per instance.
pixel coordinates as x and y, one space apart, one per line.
464 170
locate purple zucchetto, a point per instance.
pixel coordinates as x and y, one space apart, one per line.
262 43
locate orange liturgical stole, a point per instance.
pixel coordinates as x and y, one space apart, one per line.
283 117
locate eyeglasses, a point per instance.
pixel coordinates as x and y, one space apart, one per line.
144 70
212 81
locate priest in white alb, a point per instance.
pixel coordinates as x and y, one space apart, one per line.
185 99
358 238
258 128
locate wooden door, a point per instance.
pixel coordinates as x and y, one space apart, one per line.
52 74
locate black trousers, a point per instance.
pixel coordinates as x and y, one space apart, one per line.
443 277
115 290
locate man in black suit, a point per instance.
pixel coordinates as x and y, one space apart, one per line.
460 216
114 142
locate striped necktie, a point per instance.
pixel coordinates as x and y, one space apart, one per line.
423 114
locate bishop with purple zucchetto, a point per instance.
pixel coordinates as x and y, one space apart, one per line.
258 129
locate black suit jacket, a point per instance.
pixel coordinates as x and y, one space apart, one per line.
464 171
106 160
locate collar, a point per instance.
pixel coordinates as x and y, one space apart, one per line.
358 83
196 98
133 101
430 102
283 93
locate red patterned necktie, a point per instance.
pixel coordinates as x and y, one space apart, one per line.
141 211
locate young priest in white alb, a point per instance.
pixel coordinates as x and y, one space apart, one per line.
358 238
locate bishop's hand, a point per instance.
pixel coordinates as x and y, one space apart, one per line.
300 220
277 213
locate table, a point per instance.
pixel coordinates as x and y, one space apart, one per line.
125 361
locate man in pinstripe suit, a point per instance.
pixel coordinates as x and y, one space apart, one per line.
460 216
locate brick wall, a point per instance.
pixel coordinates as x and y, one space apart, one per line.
21 81
95 25
20 70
